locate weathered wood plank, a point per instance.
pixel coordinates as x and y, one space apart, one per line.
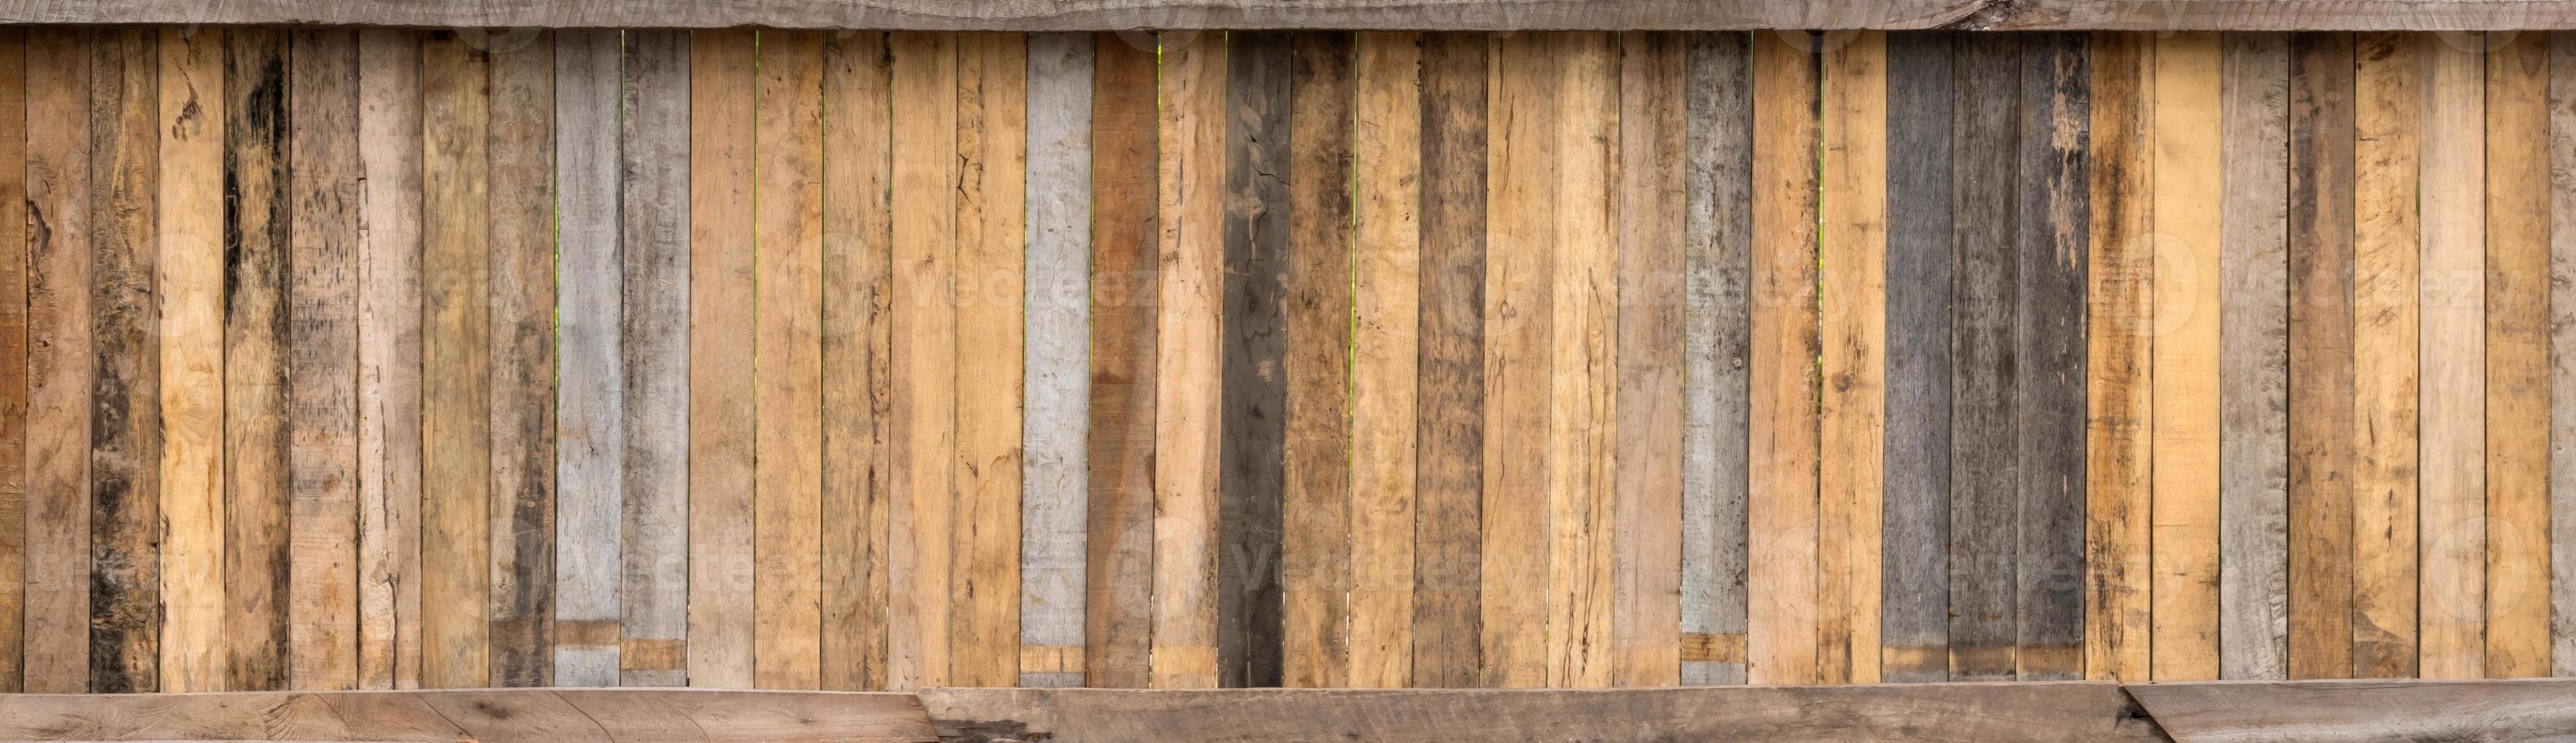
1992 712
2517 362
2188 202
1053 468
1651 227
2322 465
1118 574
1852 248
787 386
2562 353
125 397
1915 537
1449 393
321 406
2452 582
856 360
522 220
590 480
992 121
1717 234
925 149
1318 549
2050 356
2267 15
481 714
258 582
1253 387
1582 405
1190 119
59 364
653 332
2119 342
1521 203
455 407
1385 317
2388 132
2360 710
389 361
13 356
1780 632
2253 363
720 332
1985 185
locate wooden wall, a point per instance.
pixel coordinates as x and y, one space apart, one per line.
369 359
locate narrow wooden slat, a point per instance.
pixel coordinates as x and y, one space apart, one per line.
1852 251
720 332
2253 374
389 361
787 533
2359 711
14 271
589 529
1915 539
1187 409
2187 187
992 141
2452 583
1518 312
1253 436
1118 572
583 715
2119 340
1385 317
1318 550
2517 361
1984 445
1780 631
654 292
925 148
1717 249
522 220
455 397
855 361
1057 357
2050 357
2321 356
322 360
2387 141
1646 608
125 399
1582 404
256 477
2562 353
59 364
1449 363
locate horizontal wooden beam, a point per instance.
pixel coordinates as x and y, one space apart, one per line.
2329 711
447 716
1463 15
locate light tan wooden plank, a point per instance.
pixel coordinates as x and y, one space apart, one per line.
925 339
788 377
1318 548
992 147
2452 342
455 408
2387 151
855 361
389 362
322 403
1521 192
1582 402
1385 346
2517 360
2186 164
1186 414
721 398
1852 247
1782 577
1653 73
192 361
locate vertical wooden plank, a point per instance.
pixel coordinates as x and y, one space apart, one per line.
1852 252
925 341
1582 427
720 536
1718 241
322 360
2517 362
2453 581
2050 358
1190 328
1057 357
2321 356
1518 312
2387 145
2119 341
1449 365
389 361
654 166
1650 225
992 137
1780 634
522 221
1386 322
1984 445
59 362
855 360
256 551
2253 381
125 449
13 355
589 533
1318 549
787 534
2187 195
1118 572
456 346
2562 352
1915 539
1254 388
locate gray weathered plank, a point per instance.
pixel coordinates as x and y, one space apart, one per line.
2253 590
653 230
2050 356
566 715
1255 348
589 298
1716 260
2330 711
2562 352
1914 628
1053 501
1983 502
521 217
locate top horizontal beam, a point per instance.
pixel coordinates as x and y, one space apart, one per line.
1454 15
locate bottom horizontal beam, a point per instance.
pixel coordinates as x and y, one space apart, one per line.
480 715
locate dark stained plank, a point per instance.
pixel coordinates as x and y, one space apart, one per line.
522 220
2049 356
2002 713
13 354
2254 380
570 715
1717 253
1915 610
2119 282
1255 385
125 445
1449 398
322 357
2327 711
1984 186
1123 286
59 364
2321 356
1316 547
653 235
258 580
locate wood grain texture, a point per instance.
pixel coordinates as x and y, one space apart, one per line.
1251 457
13 355
1518 312
1057 357
2051 350
720 331
2321 360
589 532
1717 250
257 227
1385 317
125 397
992 121
455 394
1449 396
2253 362
2517 360
389 361
322 355
856 360
1852 250
925 148
483 714
522 220
1118 573
1985 255
2358 710
1191 121
1582 398
2562 353
1780 632
59 363
2451 585
2189 287
2119 343
1650 222
1915 538
2387 154
787 383
654 242
1318 551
